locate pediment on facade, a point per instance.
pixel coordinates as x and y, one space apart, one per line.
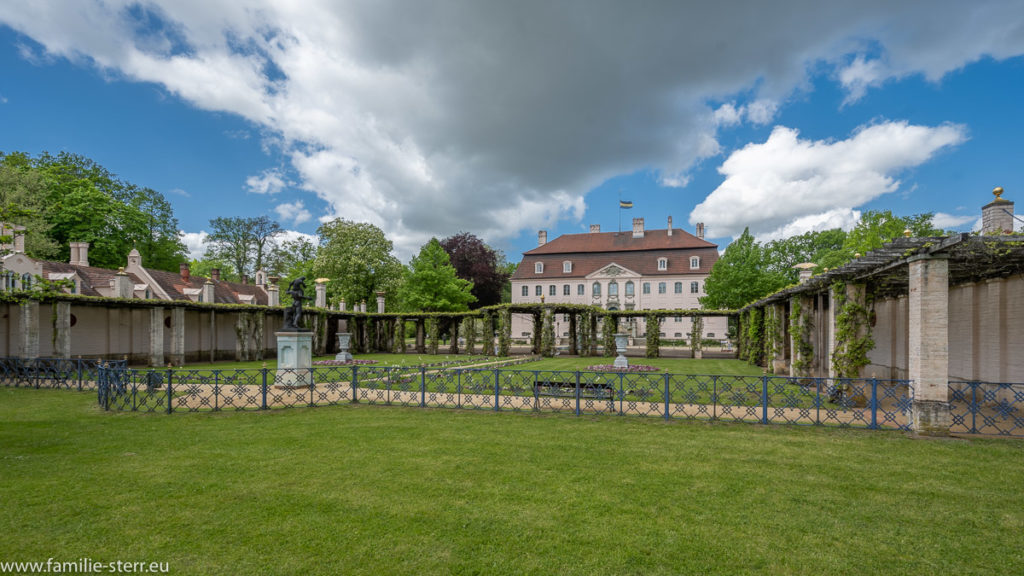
613 270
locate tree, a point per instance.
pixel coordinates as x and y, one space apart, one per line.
204 266
740 276
291 259
432 284
876 227
242 241
357 258
22 202
819 247
479 263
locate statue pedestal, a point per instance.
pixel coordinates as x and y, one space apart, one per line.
294 359
620 348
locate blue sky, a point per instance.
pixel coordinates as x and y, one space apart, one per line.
503 118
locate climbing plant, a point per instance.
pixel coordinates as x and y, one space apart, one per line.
547 342
538 329
398 346
653 335
433 335
772 336
801 324
504 333
487 335
853 338
697 335
755 333
469 334
609 326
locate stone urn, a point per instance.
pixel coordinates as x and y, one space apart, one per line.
344 340
620 349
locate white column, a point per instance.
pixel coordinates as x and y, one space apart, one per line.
929 344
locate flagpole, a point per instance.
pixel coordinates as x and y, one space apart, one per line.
620 211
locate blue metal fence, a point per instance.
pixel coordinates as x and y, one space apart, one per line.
975 407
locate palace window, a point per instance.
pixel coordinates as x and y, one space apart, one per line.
694 287
629 288
526 290
694 262
566 291
581 290
646 287
538 268
613 288
662 263
679 288
596 289
539 291
567 266
661 288
551 290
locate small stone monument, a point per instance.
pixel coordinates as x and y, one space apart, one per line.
620 349
344 339
294 343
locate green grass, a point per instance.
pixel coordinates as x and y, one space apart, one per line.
384 490
709 366
382 360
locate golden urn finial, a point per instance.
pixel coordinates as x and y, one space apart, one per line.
998 193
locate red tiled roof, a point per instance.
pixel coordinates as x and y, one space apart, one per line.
92 277
223 293
644 263
621 242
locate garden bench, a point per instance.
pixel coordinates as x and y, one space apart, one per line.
557 389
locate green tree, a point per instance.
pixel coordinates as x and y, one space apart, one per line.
358 259
432 283
740 276
204 266
22 202
291 259
876 227
244 242
820 247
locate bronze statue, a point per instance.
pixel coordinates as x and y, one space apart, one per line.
293 314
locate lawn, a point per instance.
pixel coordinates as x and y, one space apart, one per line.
380 359
709 366
358 489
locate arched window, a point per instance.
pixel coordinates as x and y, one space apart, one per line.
679 288
694 262
613 288
538 268
629 288
526 290
661 287
567 266
596 289
26 281
694 287
662 263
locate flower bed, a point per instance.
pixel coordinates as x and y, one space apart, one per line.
343 362
630 368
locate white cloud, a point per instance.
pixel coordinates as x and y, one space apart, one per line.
180 192
269 182
425 118
194 243
949 221
791 185
845 218
294 212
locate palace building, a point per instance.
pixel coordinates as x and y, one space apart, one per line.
636 270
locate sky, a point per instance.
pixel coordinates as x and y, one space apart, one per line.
502 118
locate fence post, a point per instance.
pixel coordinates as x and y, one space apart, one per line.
874 403
714 398
666 396
170 393
764 399
577 392
497 390
216 390
974 407
79 363
263 389
312 388
423 386
355 383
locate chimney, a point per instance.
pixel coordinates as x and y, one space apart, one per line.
215 274
245 278
669 225
185 272
595 228
123 285
209 293
74 254
261 278
83 253
542 237
700 230
19 239
997 216
638 227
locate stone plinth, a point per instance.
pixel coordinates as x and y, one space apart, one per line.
294 359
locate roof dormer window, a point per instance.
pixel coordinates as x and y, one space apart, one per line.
567 266
538 268
694 262
662 263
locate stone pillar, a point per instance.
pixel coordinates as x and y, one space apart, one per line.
341 305
380 303
178 336
123 285
28 316
997 216
273 295
208 295
929 344
573 348
156 336
213 336
321 293
830 332
62 327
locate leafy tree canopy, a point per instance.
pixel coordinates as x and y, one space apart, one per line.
432 283
244 242
358 259
477 262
